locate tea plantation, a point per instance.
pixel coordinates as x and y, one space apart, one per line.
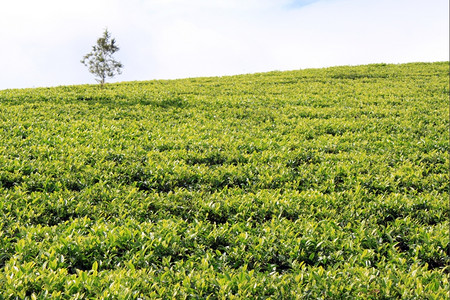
313 184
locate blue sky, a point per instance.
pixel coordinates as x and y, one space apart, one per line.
44 41
295 4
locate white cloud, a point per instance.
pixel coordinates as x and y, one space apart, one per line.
45 40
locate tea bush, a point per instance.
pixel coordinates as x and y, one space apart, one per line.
314 184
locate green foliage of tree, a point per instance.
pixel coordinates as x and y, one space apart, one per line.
100 61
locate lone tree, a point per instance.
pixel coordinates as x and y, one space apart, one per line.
100 61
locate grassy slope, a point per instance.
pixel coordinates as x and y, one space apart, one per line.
314 183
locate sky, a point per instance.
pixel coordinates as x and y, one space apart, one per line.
42 42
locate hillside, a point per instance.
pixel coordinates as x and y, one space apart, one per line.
321 183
